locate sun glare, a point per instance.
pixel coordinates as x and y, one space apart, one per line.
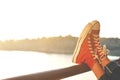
34 19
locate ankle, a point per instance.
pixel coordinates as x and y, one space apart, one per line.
105 61
98 70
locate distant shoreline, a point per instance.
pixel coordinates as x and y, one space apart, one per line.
60 45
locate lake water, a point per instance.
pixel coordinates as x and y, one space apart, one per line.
15 63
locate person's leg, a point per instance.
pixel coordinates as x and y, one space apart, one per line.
112 69
84 52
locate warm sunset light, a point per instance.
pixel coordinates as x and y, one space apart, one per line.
39 18
38 36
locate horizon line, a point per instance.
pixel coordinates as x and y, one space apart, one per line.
46 37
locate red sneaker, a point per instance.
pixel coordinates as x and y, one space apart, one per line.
84 50
101 52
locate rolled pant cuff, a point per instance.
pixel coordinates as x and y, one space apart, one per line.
110 67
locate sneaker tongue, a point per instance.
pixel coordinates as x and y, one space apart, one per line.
95 31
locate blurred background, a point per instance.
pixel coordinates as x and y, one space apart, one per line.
36 32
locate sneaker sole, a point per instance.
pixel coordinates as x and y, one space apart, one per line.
83 35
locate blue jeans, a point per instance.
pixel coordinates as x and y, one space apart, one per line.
112 72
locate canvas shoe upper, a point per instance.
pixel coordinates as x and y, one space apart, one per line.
83 52
96 40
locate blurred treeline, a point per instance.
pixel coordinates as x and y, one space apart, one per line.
56 44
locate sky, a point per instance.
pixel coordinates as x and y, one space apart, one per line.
21 19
